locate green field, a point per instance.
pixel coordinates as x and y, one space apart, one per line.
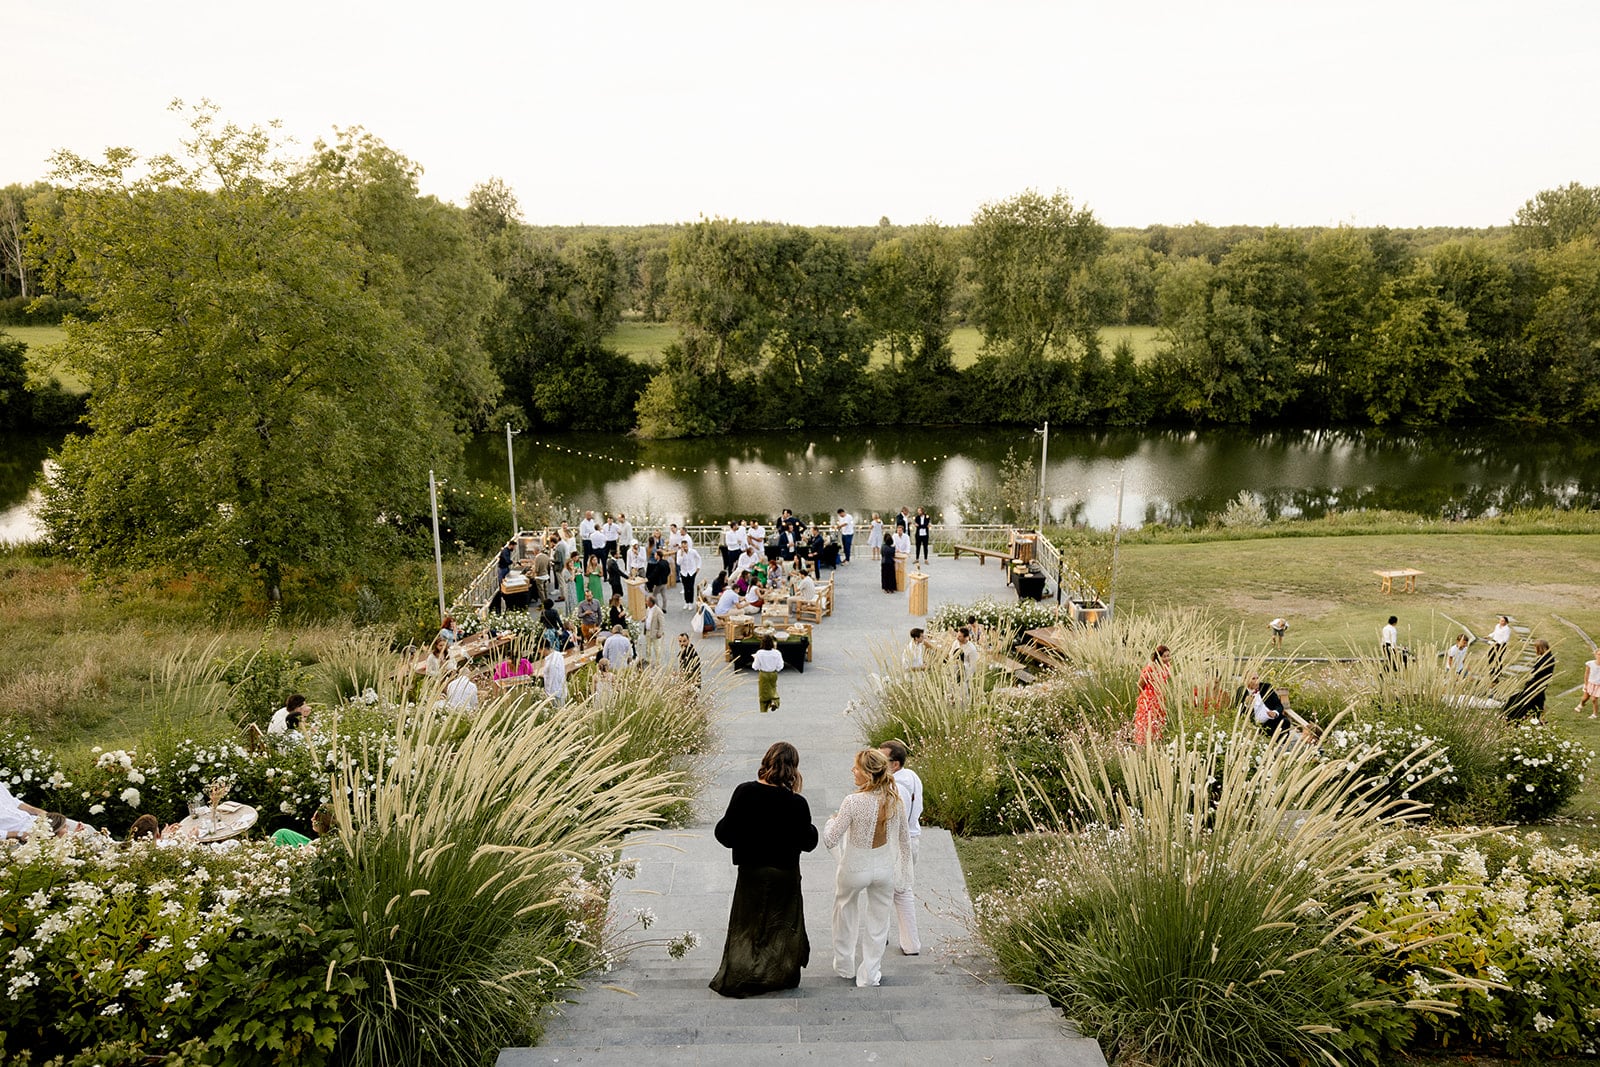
43 363
643 341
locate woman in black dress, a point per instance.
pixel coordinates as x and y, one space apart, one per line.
768 824
888 565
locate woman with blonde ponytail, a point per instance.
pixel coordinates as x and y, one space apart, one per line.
874 848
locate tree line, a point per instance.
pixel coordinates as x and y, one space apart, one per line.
278 347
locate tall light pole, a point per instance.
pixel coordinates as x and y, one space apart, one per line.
1044 461
438 556
511 464
1116 540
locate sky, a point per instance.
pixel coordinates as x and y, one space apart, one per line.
1291 112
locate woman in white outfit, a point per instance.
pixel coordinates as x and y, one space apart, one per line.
874 850
875 535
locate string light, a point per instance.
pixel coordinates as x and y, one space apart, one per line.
664 467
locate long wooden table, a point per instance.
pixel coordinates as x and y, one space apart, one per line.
1386 582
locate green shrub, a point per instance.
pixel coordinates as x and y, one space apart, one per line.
31 773
1206 915
1543 769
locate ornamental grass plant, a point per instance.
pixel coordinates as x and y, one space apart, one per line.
1209 915
470 876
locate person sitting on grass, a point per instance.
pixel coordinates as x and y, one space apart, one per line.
294 706
321 823
1263 704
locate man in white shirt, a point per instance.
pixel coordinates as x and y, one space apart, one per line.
597 541
555 677
688 568
655 630
1499 641
1390 639
1264 704
461 694
624 531
910 789
732 543
912 658
618 649
280 718
967 653
728 601
845 523
586 535
745 564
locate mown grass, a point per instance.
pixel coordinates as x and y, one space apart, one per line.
644 341
44 361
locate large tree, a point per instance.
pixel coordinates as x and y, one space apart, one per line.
909 295
1031 258
259 405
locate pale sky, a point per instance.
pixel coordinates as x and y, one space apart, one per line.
1295 112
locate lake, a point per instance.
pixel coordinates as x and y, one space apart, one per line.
1172 477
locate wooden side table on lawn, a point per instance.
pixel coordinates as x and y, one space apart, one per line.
1408 573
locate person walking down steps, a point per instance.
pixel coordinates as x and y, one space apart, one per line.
767 662
874 848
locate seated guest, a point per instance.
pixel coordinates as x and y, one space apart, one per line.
719 583
461 694
745 563
506 669
727 601
438 659
1263 704
294 705
448 631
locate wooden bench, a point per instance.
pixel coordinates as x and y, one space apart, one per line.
1386 583
983 554
1039 655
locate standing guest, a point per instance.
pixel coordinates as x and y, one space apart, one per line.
542 573
586 536
688 568
902 544
613 538
871 832
624 532
902 520
732 544
688 661
889 549
1591 686
555 677
847 531
618 649
594 575
755 538
816 551
913 657
910 786
1499 641
502 564
966 654
924 528
655 630
638 559
615 575
1279 627
616 614
657 572
785 542
560 551
598 540
1150 712
1389 639
875 535
567 585
767 825
767 662
1455 658
1529 700
589 616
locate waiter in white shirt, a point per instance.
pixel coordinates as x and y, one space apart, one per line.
846 524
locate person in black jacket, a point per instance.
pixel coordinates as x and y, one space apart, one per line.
1529 700
1263 704
767 825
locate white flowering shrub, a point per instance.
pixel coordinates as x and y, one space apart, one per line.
1543 768
1010 616
1415 764
1527 931
154 944
111 791
31 773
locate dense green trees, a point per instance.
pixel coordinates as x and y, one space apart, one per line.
261 404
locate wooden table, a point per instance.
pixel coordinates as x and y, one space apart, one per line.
1051 637
232 820
794 650
1386 585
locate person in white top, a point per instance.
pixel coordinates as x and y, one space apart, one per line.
845 523
1591 685
624 531
16 817
280 718
618 649
875 535
688 568
728 601
1499 641
555 677
597 541
910 787
1390 640
767 662
655 630
1455 657
586 534
873 841
636 560
912 657
745 564
967 653
902 544
461 694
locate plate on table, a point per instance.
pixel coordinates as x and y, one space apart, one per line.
780 634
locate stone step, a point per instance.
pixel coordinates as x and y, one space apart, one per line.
722 1028
1044 1052
930 982
853 1004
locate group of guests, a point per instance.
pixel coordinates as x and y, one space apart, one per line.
1528 701
875 832
1255 698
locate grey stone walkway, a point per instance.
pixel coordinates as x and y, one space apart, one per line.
946 1006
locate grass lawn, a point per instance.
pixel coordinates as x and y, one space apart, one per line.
643 341
42 362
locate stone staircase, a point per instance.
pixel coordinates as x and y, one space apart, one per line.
945 1006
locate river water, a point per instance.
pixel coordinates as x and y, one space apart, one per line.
1171 477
